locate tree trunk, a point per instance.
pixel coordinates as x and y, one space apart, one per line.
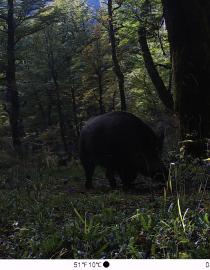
74 106
53 73
12 93
49 107
41 108
117 68
163 93
188 24
100 87
59 108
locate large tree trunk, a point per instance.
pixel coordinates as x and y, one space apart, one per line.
163 93
12 93
188 24
117 68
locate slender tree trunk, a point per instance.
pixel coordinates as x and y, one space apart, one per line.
188 24
49 108
163 93
100 87
51 63
59 108
113 101
99 71
117 68
12 93
74 106
41 108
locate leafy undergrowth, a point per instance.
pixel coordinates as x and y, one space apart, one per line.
46 213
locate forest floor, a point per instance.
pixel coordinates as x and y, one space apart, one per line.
47 213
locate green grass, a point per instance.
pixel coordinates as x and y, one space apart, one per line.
46 213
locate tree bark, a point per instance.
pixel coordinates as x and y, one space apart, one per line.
41 108
59 107
49 108
188 24
100 68
163 93
100 87
53 73
117 68
74 107
12 93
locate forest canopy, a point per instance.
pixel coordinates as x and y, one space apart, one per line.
57 64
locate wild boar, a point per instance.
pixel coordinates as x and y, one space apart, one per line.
122 144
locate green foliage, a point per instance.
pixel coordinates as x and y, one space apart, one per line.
78 43
189 174
45 214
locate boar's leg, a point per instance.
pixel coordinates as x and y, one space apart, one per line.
111 178
127 177
89 168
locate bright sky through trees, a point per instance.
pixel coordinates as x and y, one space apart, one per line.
94 3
